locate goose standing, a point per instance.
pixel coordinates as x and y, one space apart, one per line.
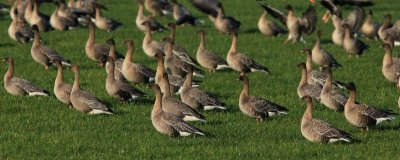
332 98
257 107
177 107
338 33
135 72
178 50
390 68
60 23
363 115
389 30
20 87
62 90
83 101
104 23
95 51
43 54
117 61
38 19
198 99
141 18
241 63
175 82
352 45
317 78
370 28
176 65
305 89
150 46
182 15
120 89
18 31
225 24
167 123
208 59
319 131
321 57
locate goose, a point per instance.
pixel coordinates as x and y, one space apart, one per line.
175 82
338 33
157 7
150 46
321 57
305 89
83 101
18 6
62 90
296 26
18 86
319 131
95 51
317 78
175 65
241 63
208 7
61 23
389 30
37 18
18 31
332 98
117 61
257 107
363 115
182 15
134 72
225 24
141 18
105 23
352 45
120 89
167 123
177 107
43 54
370 28
178 50
208 59
198 99
268 27
390 68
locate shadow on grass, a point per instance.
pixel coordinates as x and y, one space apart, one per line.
388 128
326 41
7 45
251 30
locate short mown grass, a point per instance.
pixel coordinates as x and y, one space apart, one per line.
43 128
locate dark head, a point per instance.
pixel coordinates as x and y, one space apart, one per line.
201 32
301 65
146 23
167 40
306 50
128 42
159 56
307 99
233 33
345 26
165 76
57 3
388 17
110 59
110 42
370 13
288 7
171 26
35 28
9 60
319 33
16 12
386 47
58 63
351 86
243 77
155 88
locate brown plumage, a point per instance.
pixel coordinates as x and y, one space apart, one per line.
95 51
208 59
62 90
305 89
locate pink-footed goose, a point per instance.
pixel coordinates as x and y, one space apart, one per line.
178 50
37 18
316 130
62 90
370 28
96 51
120 89
117 61
389 30
332 98
363 115
225 24
167 123
198 99
351 44
104 23
208 59
175 65
150 46
268 27
390 68
20 87
257 107
83 101
18 31
305 89
177 107
43 54
141 18
317 78
321 57
61 23
241 63
134 72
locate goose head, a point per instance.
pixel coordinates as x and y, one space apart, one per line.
351 86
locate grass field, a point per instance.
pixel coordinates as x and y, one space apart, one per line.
43 128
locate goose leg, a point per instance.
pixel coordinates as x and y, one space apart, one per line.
326 16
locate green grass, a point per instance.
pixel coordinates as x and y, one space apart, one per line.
43 128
